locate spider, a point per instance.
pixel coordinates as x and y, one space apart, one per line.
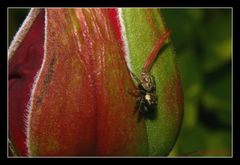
146 102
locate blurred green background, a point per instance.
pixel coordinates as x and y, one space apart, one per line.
203 45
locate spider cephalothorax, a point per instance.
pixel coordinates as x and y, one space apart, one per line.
147 81
146 101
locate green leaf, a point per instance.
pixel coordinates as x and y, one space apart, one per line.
143 28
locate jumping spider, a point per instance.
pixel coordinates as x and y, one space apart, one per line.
146 102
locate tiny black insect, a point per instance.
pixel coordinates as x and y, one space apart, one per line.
146 102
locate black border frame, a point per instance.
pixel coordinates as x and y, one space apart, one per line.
235 4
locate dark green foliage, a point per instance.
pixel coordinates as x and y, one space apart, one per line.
203 42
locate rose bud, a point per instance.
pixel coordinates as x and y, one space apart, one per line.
70 73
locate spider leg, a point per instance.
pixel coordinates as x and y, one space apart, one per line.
139 113
139 118
137 105
135 77
140 109
136 92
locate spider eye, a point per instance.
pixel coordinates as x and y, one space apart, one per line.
147 79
